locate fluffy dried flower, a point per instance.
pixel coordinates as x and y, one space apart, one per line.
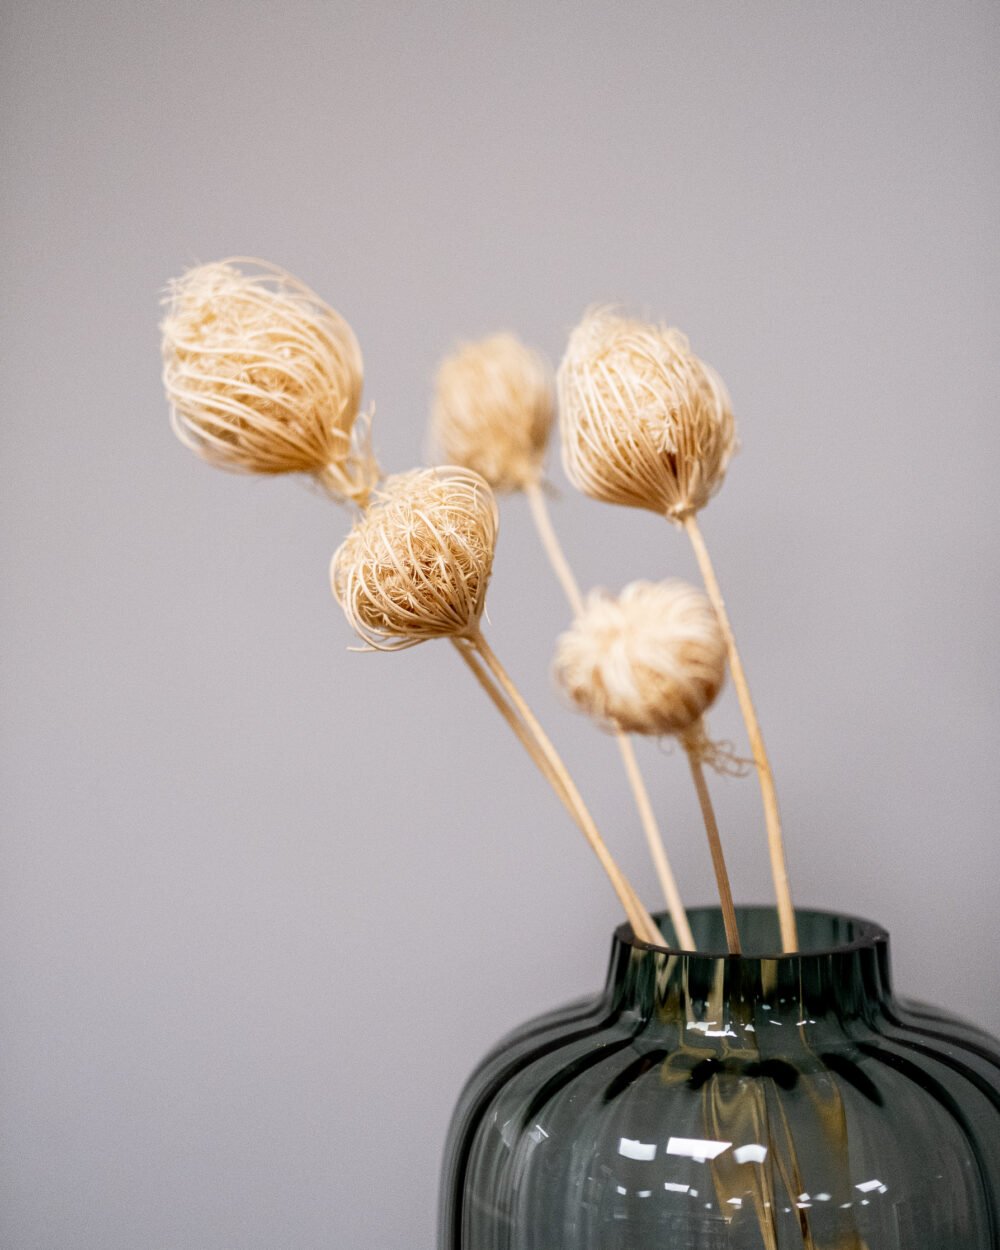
650 661
493 410
263 377
416 565
643 421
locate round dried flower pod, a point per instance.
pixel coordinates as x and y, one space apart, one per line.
417 563
262 376
493 410
643 421
650 661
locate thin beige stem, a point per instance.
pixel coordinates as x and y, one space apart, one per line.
513 720
772 817
528 742
654 838
715 846
552 545
640 919
664 873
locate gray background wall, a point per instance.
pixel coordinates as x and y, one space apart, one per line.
265 902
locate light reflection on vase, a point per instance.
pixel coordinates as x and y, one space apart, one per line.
712 1102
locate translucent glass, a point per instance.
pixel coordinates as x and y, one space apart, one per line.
714 1102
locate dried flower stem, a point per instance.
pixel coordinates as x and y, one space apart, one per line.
496 696
557 774
714 844
772 817
654 838
553 547
530 744
524 737
678 916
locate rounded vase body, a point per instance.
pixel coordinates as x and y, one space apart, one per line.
713 1102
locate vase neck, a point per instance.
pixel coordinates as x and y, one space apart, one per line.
840 972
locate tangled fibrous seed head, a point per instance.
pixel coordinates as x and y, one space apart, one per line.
416 565
493 410
650 661
643 421
263 377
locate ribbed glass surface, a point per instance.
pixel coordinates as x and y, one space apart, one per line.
713 1102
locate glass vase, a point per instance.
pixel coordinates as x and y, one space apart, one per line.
706 1101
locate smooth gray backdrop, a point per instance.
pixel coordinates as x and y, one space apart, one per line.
265 902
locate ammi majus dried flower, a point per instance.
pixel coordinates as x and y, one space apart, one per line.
493 410
417 563
643 421
415 567
262 376
652 661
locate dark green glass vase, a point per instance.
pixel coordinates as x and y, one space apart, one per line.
715 1102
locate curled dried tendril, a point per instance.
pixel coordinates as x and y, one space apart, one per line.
417 563
262 376
720 756
643 421
493 410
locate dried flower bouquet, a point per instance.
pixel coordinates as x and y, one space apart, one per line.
264 377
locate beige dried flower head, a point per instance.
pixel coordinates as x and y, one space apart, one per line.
416 565
493 410
650 661
263 377
643 421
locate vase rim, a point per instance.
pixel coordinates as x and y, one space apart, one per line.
866 935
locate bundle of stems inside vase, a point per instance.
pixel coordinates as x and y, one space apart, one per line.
262 376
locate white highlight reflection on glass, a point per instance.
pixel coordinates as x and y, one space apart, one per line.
867 1186
750 1153
644 1151
705 1026
696 1148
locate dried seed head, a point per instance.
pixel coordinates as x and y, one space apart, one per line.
263 377
416 565
649 662
493 410
643 421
